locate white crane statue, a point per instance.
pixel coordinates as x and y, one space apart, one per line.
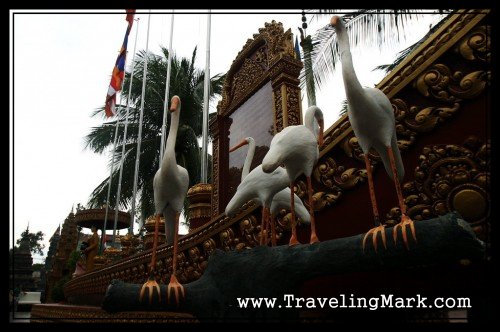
296 147
268 183
372 119
170 185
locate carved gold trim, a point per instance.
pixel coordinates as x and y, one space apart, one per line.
253 65
456 27
450 178
476 45
440 83
268 57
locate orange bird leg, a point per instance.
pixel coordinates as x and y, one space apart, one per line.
151 285
174 285
379 228
268 225
273 230
293 238
405 220
263 225
314 237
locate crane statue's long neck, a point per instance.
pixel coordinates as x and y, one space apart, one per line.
248 159
169 154
314 112
351 83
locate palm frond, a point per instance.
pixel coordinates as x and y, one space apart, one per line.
404 53
380 28
101 137
343 108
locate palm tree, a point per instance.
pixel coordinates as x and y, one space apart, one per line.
186 82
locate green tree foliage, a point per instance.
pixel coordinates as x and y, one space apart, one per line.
35 240
186 82
37 266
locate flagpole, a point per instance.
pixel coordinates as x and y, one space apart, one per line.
167 90
118 192
103 235
206 96
138 155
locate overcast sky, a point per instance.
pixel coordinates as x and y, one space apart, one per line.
61 70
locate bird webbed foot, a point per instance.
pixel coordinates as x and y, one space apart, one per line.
176 290
152 287
405 221
374 232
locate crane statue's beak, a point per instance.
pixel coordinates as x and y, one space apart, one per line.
239 145
175 103
334 20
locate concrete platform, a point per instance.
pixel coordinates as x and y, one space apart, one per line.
19 317
27 300
62 313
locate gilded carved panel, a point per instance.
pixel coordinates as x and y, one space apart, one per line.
450 178
268 57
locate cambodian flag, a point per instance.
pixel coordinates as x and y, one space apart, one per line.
119 70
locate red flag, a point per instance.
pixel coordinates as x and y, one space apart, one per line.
130 17
118 70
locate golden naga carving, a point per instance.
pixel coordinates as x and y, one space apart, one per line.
476 44
198 264
413 120
335 178
351 148
228 240
250 230
323 199
181 271
450 178
440 83
433 49
332 175
209 246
